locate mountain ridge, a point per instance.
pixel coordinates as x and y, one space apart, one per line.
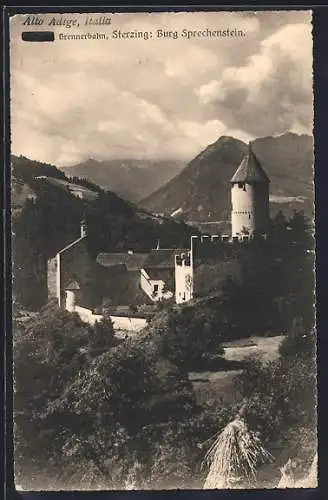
129 178
201 191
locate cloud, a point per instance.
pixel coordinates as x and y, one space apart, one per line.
272 92
160 98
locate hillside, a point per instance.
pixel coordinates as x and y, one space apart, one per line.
48 208
20 193
201 191
131 179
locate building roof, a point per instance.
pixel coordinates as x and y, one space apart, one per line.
250 170
132 261
75 242
73 285
163 258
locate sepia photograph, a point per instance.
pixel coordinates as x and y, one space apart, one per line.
163 251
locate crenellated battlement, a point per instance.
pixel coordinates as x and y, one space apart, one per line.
183 259
210 241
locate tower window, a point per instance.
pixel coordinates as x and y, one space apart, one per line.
240 185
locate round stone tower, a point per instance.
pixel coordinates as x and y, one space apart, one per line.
249 198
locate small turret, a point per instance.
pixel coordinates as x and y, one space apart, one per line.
183 278
71 294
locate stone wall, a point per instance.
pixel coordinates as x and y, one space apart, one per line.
52 280
87 315
125 323
128 323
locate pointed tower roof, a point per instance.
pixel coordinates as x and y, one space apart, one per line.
250 169
73 285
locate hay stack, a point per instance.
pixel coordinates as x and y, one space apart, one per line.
233 457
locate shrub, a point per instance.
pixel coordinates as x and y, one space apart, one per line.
185 334
280 400
82 402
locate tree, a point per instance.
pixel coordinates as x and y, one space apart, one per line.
84 402
42 228
184 335
299 342
102 335
277 275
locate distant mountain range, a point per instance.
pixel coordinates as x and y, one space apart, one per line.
133 180
201 191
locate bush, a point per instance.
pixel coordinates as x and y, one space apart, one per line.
185 334
280 400
82 403
298 342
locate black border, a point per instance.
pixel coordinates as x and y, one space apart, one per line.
320 66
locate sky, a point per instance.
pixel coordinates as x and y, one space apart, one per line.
161 98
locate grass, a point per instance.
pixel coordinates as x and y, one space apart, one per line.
263 348
217 387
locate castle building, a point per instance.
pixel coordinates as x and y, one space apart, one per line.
249 198
249 217
62 266
129 278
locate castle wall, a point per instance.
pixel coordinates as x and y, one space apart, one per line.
87 315
206 246
52 277
209 278
125 323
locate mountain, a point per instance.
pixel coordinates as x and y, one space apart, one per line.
201 191
131 179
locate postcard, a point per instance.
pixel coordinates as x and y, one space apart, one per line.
162 170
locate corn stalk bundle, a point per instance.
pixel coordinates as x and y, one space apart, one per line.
233 457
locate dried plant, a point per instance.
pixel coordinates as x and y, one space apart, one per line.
234 456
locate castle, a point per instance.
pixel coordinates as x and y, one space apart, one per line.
250 218
160 274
